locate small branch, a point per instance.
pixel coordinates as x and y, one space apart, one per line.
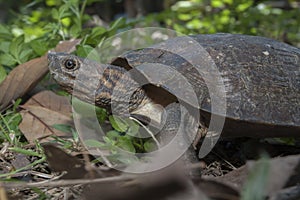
62 183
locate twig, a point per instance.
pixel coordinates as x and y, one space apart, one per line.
61 183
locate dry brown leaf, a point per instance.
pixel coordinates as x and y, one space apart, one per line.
41 112
52 101
22 79
282 171
167 183
67 46
60 161
38 121
25 76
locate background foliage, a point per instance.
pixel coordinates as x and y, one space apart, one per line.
29 29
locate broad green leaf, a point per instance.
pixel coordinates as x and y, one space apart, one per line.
108 141
217 3
128 159
16 45
255 186
243 6
36 16
185 17
4 46
125 144
84 50
52 2
93 143
7 60
66 21
55 13
101 114
5 33
118 123
133 128
2 73
97 31
87 51
63 11
113 135
150 145
37 46
25 55
75 31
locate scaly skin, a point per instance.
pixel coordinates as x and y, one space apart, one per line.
103 85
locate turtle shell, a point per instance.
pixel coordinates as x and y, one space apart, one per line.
261 78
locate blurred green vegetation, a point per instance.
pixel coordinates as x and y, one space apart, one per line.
241 16
29 29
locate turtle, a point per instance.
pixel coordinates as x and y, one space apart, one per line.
261 78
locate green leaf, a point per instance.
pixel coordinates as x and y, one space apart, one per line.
87 51
63 11
133 128
16 46
97 31
113 135
101 114
255 186
217 3
16 104
37 46
63 128
118 123
75 31
83 108
244 6
25 55
2 73
128 159
84 50
4 46
124 125
7 60
150 145
52 2
126 144
55 14
93 143
5 33
119 23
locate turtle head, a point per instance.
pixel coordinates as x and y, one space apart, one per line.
100 84
64 68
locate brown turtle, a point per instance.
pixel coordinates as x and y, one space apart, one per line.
261 78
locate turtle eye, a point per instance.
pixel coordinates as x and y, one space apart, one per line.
70 64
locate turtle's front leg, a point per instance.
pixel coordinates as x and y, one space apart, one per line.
180 124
